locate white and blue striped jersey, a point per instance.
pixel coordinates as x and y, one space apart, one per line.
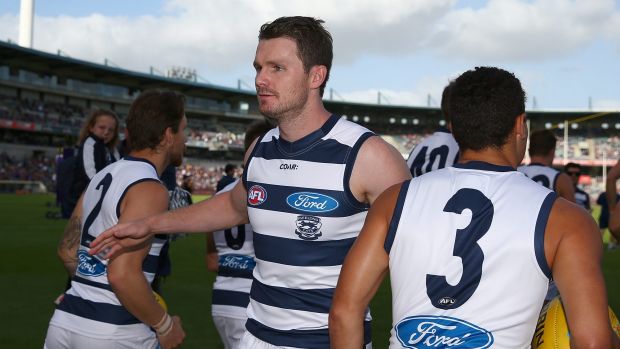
541 174
305 219
437 151
90 306
466 258
235 250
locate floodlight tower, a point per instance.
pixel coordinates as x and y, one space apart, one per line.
26 23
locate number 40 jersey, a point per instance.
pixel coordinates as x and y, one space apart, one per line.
466 258
435 152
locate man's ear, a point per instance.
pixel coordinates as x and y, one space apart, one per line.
521 127
168 136
317 76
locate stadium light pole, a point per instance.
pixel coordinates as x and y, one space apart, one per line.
26 23
565 142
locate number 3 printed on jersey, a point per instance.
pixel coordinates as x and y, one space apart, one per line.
441 293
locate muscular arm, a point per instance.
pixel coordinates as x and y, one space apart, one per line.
564 187
378 166
219 212
573 251
125 271
70 241
363 271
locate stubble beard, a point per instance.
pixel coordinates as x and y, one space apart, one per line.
288 110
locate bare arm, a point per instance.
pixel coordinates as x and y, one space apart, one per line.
125 271
378 166
573 250
70 241
363 271
219 212
211 258
611 194
564 187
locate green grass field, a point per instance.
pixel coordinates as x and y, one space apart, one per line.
32 277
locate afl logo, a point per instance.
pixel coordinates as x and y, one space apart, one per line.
256 195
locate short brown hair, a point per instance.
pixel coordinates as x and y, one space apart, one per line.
314 42
151 114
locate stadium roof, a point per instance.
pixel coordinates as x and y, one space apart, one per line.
63 67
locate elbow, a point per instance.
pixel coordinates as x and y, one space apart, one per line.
117 278
341 314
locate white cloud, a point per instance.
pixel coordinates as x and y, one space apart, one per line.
429 86
512 30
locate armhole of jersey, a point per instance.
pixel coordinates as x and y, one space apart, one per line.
244 177
398 210
118 204
349 169
539 233
456 158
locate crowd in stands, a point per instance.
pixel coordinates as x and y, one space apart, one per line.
44 113
36 168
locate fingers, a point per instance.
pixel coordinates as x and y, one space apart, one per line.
106 249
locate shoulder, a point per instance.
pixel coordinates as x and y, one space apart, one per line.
568 218
147 191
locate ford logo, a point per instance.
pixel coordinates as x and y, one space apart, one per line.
89 265
312 202
423 332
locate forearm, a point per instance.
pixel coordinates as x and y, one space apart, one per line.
210 215
346 327
136 295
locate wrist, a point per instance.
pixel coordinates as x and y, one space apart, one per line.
164 326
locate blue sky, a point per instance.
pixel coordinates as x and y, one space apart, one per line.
565 52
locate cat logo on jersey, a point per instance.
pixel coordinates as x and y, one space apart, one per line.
89 265
425 332
308 227
256 195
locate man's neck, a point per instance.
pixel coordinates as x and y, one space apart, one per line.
489 155
158 159
537 159
294 128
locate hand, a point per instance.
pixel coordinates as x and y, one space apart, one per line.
614 172
174 338
121 236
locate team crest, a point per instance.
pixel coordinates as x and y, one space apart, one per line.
256 195
308 227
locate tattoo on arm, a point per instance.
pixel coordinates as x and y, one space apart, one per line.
67 247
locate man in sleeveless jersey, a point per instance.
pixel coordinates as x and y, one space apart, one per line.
306 189
438 150
110 302
230 253
470 248
573 170
542 152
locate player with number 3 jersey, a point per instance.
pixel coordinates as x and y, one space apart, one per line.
470 249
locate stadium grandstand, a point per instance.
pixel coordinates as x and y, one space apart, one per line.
45 97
